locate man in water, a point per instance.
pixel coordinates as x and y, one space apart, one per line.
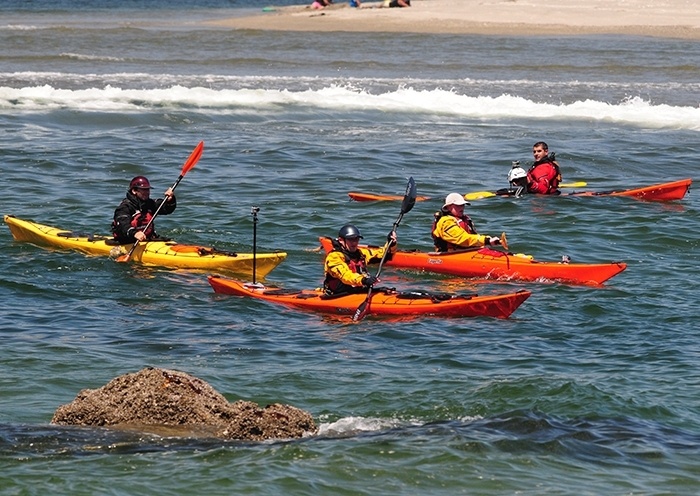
543 177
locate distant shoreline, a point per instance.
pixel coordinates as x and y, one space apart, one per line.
665 18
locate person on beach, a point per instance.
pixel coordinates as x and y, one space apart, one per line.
346 265
320 4
396 3
453 230
543 177
136 210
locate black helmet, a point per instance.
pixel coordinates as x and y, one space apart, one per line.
140 182
349 231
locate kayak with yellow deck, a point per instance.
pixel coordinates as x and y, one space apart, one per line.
489 263
164 253
383 302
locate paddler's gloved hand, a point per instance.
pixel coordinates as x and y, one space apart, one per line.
368 281
493 240
391 238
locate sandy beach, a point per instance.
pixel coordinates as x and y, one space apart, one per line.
663 18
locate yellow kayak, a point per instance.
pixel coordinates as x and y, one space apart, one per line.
161 253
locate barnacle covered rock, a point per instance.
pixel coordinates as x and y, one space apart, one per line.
175 403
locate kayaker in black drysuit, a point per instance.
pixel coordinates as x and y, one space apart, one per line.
136 210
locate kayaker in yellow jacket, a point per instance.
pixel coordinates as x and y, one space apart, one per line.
453 229
346 265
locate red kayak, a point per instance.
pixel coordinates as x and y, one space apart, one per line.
495 264
384 302
675 190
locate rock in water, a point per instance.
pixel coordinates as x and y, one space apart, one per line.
160 400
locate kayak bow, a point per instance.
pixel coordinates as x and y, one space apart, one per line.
384 302
671 191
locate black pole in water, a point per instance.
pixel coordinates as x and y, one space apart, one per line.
254 211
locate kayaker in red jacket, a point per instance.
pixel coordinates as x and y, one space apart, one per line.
346 265
135 211
544 177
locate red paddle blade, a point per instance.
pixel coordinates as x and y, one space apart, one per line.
193 158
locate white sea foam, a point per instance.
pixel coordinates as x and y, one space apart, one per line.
18 27
632 111
99 58
355 425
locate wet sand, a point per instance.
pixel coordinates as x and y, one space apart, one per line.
663 18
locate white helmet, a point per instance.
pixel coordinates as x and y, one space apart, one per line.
516 173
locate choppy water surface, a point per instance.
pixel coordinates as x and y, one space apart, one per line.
584 390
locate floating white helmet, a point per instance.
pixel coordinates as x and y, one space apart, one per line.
516 173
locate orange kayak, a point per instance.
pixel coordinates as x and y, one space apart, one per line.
384 302
365 197
496 264
671 191
675 190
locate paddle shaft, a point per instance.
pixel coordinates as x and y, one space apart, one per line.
386 247
362 309
479 195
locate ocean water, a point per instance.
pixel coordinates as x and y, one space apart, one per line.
584 390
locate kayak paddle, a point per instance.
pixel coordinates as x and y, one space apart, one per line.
478 195
409 199
189 164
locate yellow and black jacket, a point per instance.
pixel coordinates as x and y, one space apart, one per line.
451 233
345 271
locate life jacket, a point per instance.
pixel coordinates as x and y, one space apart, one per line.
440 244
557 179
140 220
554 181
356 263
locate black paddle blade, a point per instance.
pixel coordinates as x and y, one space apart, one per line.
361 311
409 198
